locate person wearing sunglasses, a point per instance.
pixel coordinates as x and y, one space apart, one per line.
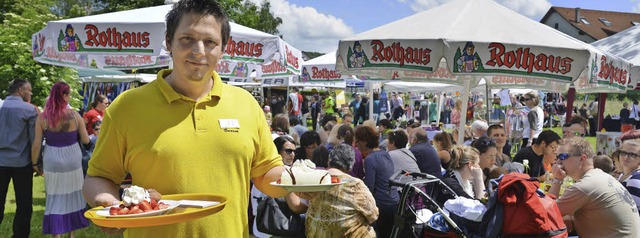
629 154
534 120
599 205
574 128
286 147
545 145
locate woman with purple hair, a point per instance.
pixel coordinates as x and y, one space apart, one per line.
62 159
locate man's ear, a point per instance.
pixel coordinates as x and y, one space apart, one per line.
166 42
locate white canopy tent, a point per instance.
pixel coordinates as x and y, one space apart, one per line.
143 78
474 41
134 39
626 45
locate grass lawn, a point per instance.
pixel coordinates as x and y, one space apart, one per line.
590 139
38 214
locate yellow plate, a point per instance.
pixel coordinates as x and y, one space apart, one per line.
176 215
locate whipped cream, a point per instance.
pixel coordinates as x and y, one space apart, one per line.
134 195
303 172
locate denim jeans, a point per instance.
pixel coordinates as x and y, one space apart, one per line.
23 186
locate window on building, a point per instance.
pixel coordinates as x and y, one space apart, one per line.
584 20
555 26
635 23
604 21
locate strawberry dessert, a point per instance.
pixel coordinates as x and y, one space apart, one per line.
136 200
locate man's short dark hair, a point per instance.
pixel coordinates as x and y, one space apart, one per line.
293 120
548 137
309 138
16 85
204 7
398 138
327 118
386 123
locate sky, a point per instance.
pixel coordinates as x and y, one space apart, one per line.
318 25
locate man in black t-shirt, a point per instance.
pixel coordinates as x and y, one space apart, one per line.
545 145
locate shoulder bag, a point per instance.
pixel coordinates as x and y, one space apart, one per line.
275 218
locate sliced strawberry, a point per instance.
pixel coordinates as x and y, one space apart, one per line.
135 210
335 179
114 210
154 203
145 206
123 211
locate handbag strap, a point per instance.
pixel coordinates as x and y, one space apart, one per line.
410 155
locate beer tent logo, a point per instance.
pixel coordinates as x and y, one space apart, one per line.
68 41
467 60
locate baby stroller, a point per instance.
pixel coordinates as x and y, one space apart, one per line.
420 191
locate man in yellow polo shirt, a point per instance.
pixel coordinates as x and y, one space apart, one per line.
183 133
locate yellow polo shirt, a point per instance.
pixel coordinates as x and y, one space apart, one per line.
176 145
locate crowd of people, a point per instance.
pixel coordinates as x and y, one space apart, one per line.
239 153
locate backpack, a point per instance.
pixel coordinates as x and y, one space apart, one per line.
527 211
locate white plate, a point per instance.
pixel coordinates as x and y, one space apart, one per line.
172 204
307 188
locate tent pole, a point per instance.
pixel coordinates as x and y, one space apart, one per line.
463 111
370 101
440 101
487 94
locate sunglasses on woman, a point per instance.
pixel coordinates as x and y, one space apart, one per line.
289 151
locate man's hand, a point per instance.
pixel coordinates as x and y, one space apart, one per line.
558 172
37 170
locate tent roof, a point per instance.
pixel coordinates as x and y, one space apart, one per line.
477 21
328 58
155 14
625 44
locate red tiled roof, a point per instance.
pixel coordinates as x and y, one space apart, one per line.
596 29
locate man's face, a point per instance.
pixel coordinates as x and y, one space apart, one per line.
25 92
569 160
309 150
499 135
348 120
551 148
196 47
575 129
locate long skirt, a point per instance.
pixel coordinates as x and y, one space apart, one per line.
63 181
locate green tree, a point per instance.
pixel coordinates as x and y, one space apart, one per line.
15 53
259 18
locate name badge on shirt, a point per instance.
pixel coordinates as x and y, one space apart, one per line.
229 123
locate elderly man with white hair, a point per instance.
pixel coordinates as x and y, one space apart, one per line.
479 128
